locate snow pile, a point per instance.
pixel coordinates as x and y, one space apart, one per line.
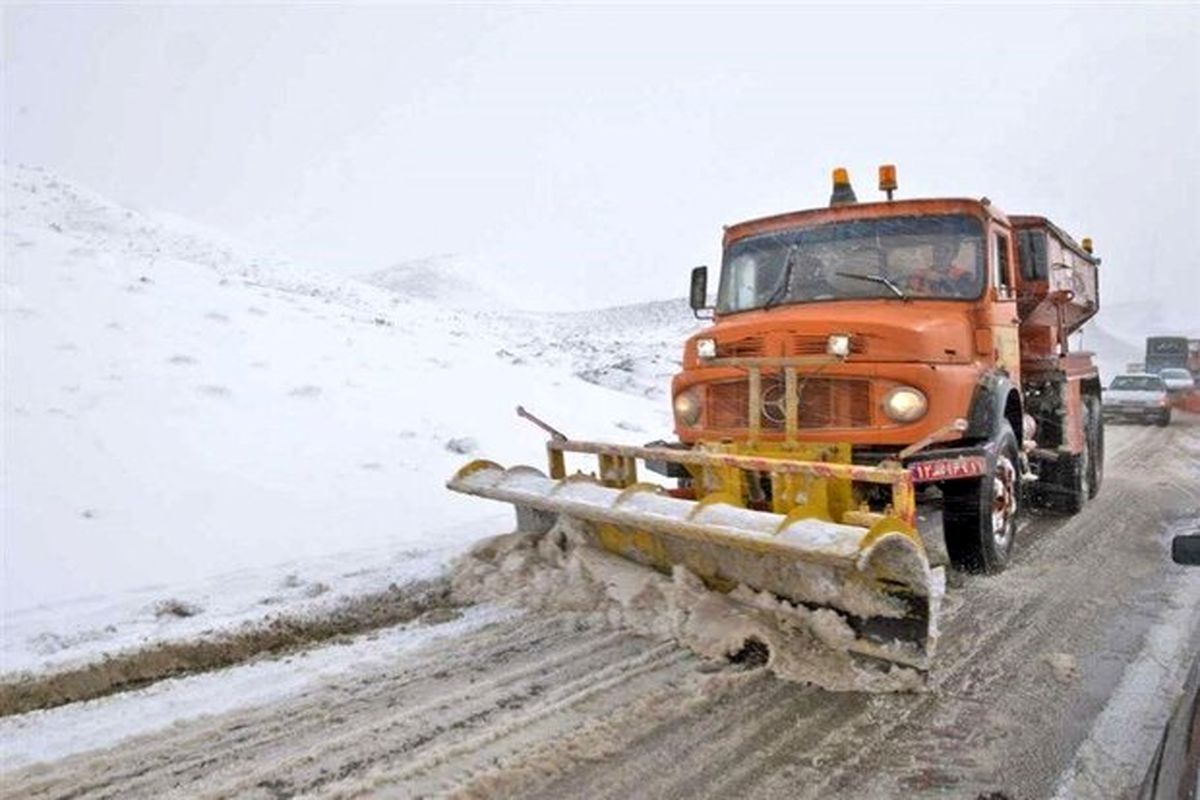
558 571
185 419
54 637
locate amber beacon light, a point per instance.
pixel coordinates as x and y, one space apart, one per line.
887 179
843 192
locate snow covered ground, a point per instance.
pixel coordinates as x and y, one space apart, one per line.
191 424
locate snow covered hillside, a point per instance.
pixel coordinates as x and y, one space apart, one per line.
449 280
178 408
633 348
1118 334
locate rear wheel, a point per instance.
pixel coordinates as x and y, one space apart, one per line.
1073 478
980 516
1075 487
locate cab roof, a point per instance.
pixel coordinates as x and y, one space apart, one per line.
981 208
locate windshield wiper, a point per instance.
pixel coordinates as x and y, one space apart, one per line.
781 292
883 279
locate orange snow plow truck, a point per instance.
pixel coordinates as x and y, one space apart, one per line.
886 387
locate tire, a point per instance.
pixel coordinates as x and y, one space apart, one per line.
1073 481
1075 487
980 516
1094 430
1066 484
1164 419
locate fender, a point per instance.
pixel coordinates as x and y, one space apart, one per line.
988 407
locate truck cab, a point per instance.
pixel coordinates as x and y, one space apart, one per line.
930 333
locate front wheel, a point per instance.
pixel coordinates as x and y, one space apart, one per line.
980 516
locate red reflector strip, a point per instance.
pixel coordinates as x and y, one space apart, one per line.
944 469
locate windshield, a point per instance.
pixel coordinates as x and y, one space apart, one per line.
1167 345
1176 373
1139 383
926 256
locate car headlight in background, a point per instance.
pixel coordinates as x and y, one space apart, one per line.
706 348
905 404
687 408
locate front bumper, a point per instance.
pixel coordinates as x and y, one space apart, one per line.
944 455
1134 412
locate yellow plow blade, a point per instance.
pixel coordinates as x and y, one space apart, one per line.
877 579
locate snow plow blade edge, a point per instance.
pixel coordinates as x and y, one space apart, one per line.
877 578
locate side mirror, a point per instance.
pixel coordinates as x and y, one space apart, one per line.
1186 549
698 297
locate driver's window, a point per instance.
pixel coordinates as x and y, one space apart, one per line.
745 279
1000 265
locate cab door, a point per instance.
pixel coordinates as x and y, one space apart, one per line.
1001 309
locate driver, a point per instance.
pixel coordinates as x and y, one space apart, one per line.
811 280
942 276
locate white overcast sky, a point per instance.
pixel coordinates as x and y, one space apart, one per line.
590 155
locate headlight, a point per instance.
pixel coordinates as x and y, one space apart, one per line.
687 408
706 348
905 404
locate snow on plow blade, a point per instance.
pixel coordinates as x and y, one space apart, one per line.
877 578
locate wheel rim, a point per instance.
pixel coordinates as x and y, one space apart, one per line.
1004 501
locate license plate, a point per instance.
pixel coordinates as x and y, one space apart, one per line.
944 469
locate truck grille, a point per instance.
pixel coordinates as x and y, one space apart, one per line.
824 403
749 347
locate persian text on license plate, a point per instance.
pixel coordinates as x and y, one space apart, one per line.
943 469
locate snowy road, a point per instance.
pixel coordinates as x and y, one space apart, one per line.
1054 678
